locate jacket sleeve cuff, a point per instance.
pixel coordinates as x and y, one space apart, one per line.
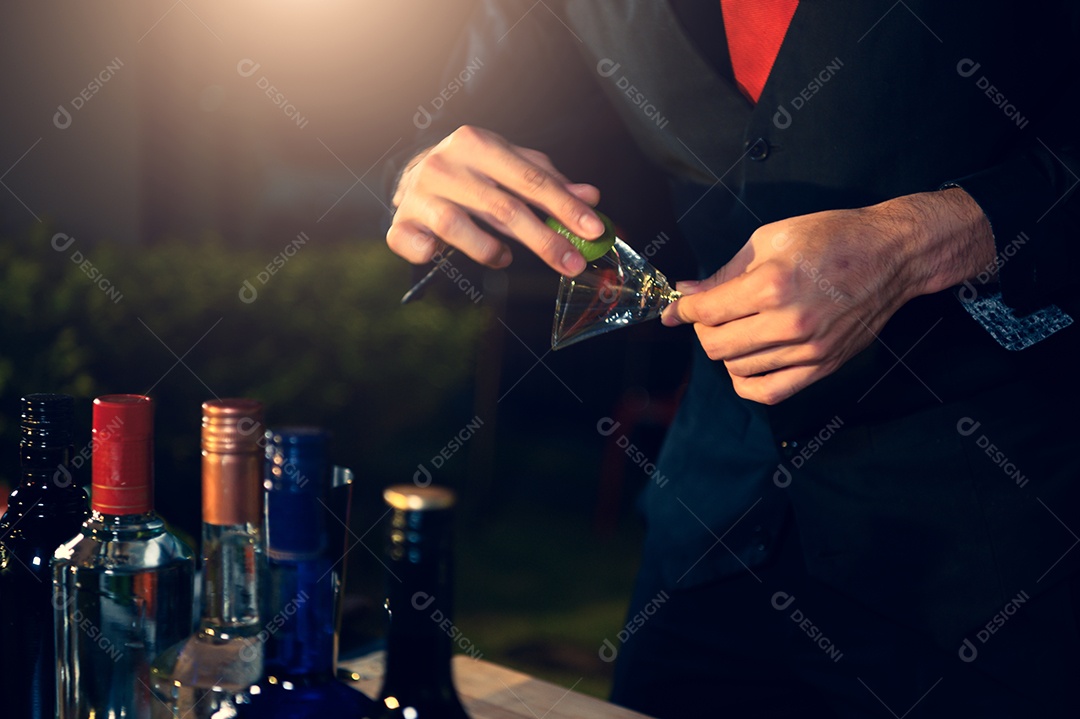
1030 203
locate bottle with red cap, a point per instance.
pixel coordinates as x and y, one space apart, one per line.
123 587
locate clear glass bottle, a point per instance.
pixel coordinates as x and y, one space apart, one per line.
206 675
123 587
304 584
45 510
418 682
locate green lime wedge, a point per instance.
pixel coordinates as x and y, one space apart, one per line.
589 249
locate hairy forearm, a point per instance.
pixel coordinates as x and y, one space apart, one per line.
943 238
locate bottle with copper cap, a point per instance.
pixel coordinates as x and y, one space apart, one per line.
418 682
208 673
45 510
123 587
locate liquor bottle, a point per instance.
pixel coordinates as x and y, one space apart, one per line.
123 587
418 683
298 639
208 673
45 509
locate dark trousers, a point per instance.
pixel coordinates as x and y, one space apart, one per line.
778 643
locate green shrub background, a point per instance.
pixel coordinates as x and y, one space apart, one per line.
326 342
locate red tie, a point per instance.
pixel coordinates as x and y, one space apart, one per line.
755 29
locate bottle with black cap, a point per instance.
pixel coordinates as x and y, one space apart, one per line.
46 509
418 681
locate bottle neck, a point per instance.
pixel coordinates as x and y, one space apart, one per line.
230 598
38 458
301 619
420 606
47 484
126 527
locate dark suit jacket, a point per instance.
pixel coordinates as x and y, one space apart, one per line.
932 476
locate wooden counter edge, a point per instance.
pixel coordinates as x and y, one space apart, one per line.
490 691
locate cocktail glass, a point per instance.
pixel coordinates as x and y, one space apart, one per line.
617 290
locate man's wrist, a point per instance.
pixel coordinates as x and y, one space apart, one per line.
945 238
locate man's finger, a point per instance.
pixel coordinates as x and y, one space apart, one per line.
725 302
777 386
453 224
412 241
538 186
511 216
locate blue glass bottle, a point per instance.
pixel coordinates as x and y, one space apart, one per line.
298 638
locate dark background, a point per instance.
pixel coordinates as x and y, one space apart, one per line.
179 179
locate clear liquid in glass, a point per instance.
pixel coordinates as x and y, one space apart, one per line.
616 290
208 674
123 592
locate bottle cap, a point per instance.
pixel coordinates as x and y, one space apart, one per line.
296 459
47 420
420 523
408 497
122 472
295 480
232 434
232 425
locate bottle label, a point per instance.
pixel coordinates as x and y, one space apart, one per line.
232 492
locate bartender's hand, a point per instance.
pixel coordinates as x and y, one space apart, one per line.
476 173
806 294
